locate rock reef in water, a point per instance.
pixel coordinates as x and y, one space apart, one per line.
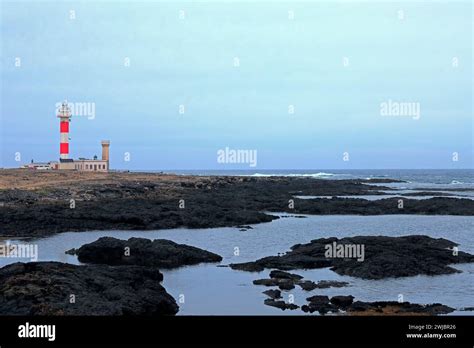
143 252
346 304
273 294
280 304
397 308
309 285
383 257
287 281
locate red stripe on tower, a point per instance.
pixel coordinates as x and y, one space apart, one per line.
64 127
64 148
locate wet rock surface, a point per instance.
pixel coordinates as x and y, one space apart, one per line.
383 257
319 303
285 275
287 281
143 252
345 304
273 294
397 308
280 304
342 301
309 285
45 288
283 284
39 203
286 284
266 282
340 304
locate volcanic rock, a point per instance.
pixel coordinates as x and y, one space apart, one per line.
46 288
143 252
319 303
285 275
309 285
274 294
383 257
266 282
397 308
342 301
286 284
280 304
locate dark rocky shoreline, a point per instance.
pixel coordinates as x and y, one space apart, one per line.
121 277
111 284
127 201
54 288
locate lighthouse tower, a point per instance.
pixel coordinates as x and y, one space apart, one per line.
64 115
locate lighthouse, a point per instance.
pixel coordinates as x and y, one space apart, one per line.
82 164
64 115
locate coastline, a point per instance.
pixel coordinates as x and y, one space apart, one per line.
36 204
46 204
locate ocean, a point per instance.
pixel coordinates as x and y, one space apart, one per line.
421 176
459 182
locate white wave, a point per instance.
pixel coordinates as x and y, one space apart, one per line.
311 175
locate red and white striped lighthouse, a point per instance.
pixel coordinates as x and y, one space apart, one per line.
64 115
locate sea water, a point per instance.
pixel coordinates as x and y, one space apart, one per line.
207 289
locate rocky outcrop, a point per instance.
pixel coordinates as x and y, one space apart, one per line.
53 288
143 252
342 301
285 275
273 294
397 308
319 303
346 304
283 284
287 281
280 304
382 257
309 285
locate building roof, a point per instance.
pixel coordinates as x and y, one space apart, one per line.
90 160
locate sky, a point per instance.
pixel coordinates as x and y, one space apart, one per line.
301 85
